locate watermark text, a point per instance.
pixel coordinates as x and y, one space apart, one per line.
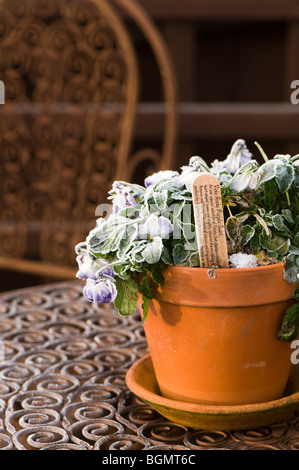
295 93
295 354
180 226
2 92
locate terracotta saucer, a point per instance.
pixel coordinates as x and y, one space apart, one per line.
141 380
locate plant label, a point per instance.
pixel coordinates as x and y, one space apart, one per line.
209 221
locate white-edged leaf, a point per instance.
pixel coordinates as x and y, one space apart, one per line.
278 222
290 269
127 239
153 250
160 198
284 175
267 171
247 234
179 254
263 223
279 244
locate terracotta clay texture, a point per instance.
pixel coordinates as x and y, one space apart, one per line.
213 339
142 381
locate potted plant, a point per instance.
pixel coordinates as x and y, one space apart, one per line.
219 336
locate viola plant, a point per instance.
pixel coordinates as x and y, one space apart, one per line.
152 226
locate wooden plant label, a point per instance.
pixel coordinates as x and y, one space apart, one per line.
209 221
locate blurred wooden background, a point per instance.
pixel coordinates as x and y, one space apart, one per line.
234 63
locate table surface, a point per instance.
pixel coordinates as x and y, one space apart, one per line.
62 382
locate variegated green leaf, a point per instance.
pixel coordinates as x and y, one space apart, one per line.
284 175
153 250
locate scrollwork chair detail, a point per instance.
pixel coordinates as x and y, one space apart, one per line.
66 131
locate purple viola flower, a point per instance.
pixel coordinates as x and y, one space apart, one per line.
102 290
155 226
88 267
238 156
247 177
159 176
109 270
196 166
124 195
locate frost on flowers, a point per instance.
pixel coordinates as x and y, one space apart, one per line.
152 226
159 176
155 226
124 195
238 156
103 291
246 177
196 166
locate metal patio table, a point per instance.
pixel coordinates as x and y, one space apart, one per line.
62 382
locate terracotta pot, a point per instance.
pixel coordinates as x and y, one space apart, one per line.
214 341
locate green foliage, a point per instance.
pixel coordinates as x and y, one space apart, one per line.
152 226
290 324
127 296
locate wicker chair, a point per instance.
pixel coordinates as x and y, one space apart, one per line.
66 129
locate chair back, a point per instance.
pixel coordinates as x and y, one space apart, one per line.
71 79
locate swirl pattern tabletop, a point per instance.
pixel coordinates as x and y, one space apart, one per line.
62 382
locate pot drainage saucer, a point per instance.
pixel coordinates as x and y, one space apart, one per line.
141 380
